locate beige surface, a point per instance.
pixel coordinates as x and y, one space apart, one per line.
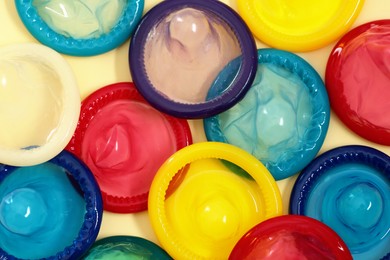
98 71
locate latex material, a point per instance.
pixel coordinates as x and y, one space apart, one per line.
357 79
124 141
212 207
347 188
290 237
104 72
80 19
192 40
192 44
125 247
39 104
284 117
82 27
35 217
34 205
299 26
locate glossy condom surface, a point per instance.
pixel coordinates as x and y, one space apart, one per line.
212 207
125 247
298 26
39 104
284 117
290 237
357 79
192 40
52 210
347 188
81 27
124 141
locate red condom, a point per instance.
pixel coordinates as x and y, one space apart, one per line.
358 80
124 141
290 237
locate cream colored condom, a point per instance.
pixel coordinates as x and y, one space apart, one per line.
39 104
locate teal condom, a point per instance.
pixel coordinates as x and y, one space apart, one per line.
81 27
284 117
125 247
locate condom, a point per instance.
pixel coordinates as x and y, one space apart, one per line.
51 210
208 212
357 80
178 50
124 141
125 247
290 237
299 26
347 188
39 104
81 27
284 117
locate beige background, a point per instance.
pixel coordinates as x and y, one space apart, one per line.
98 71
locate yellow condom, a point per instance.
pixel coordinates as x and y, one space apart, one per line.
212 206
299 25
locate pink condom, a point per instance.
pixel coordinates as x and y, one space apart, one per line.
124 140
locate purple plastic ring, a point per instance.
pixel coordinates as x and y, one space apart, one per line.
223 16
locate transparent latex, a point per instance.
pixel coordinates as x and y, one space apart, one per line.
353 200
185 52
41 211
212 208
125 144
30 102
273 119
80 19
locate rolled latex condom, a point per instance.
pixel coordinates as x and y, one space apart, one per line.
124 141
81 27
357 80
178 50
291 237
39 104
299 26
125 247
347 188
207 212
284 117
51 210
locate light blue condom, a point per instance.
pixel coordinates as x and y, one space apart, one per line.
348 188
81 27
48 211
284 117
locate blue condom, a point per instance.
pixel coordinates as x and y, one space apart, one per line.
125 247
348 188
81 28
51 210
284 117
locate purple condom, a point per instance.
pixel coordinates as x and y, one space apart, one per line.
179 50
